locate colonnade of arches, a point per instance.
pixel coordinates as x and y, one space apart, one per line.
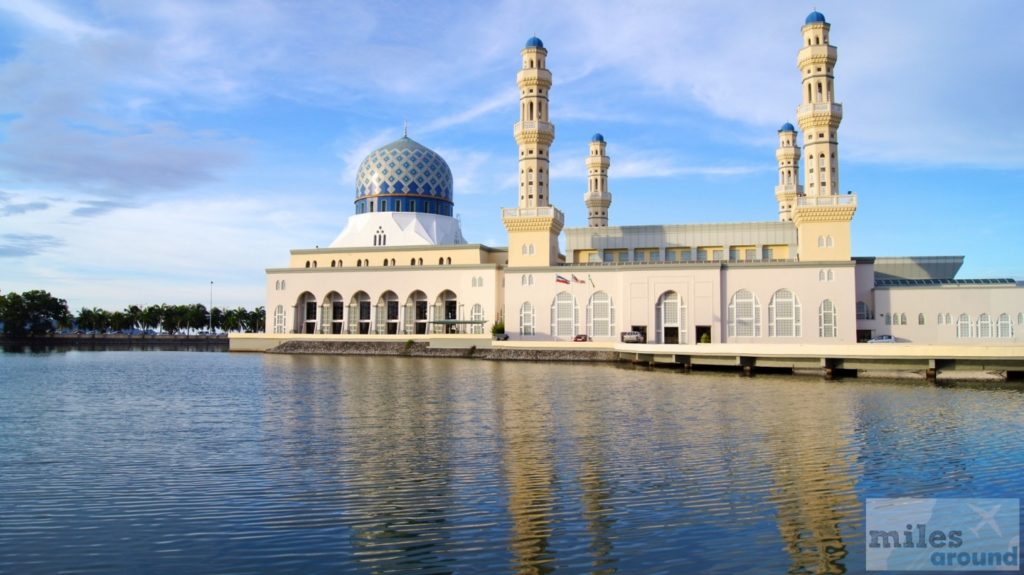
385 314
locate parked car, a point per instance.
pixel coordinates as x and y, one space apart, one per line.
501 336
581 337
632 337
882 339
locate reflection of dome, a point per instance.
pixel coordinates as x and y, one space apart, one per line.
404 176
534 42
815 17
787 127
597 138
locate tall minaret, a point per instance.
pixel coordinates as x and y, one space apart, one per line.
820 213
533 132
819 114
597 198
534 226
788 188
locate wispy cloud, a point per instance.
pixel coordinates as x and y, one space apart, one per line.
22 245
48 18
500 101
15 209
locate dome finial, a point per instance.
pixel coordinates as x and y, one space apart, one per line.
405 129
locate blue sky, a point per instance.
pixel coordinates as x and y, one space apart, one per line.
148 148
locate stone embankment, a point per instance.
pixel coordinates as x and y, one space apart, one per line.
423 349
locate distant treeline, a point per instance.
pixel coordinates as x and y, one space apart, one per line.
37 312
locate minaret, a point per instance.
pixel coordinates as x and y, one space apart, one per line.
819 115
533 132
788 188
821 214
597 198
533 227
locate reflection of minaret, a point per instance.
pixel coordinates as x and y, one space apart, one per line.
597 198
526 428
588 425
815 487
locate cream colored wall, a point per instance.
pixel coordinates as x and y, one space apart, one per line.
460 255
808 234
803 281
931 301
376 281
545 248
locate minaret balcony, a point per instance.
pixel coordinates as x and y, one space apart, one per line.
540 212
819 109
788 190
838 200
534 127
534 77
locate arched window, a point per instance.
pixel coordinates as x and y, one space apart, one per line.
419 261
314 263
385 262
984 325
448 261
392 261
440 261
526 319
920 319
939 320
522 279
830 276
277 285
821 241
279 319
827 319
412 261
600 315
821 275
784 315
744 315
828 240
334 263
1020 318
525 250
963 326
863 311
903 319
564 315
670 318
887 318
477 314
359 263
529 279
307 263
949 319
1004 327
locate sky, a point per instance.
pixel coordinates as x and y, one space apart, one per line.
150 148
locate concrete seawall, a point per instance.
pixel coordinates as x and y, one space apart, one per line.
929 362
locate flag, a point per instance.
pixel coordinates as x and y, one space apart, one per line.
577 280
591 280
560 279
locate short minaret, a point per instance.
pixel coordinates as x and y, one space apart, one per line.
788 188
597 198
821 214
819 115
534 226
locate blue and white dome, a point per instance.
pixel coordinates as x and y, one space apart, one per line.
404 176
815 17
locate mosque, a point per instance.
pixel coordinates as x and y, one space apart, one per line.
401 265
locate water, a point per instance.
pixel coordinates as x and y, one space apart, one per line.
191 462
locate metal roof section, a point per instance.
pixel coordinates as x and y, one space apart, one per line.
680 235
917 267
987 282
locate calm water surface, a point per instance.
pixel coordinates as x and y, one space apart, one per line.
191 462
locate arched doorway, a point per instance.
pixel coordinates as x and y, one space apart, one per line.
359 313
416 313
387 313
446 312
332 314
306 314
670 318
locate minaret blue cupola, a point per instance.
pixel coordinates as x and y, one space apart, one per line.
814 17
404 176
534 42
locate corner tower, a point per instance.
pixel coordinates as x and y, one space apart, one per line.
788 188
533 227
597 198
821 214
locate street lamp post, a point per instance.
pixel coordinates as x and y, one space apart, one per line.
211 308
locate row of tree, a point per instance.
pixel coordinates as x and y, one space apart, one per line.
37 313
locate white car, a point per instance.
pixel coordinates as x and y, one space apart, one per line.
882 339
632 337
